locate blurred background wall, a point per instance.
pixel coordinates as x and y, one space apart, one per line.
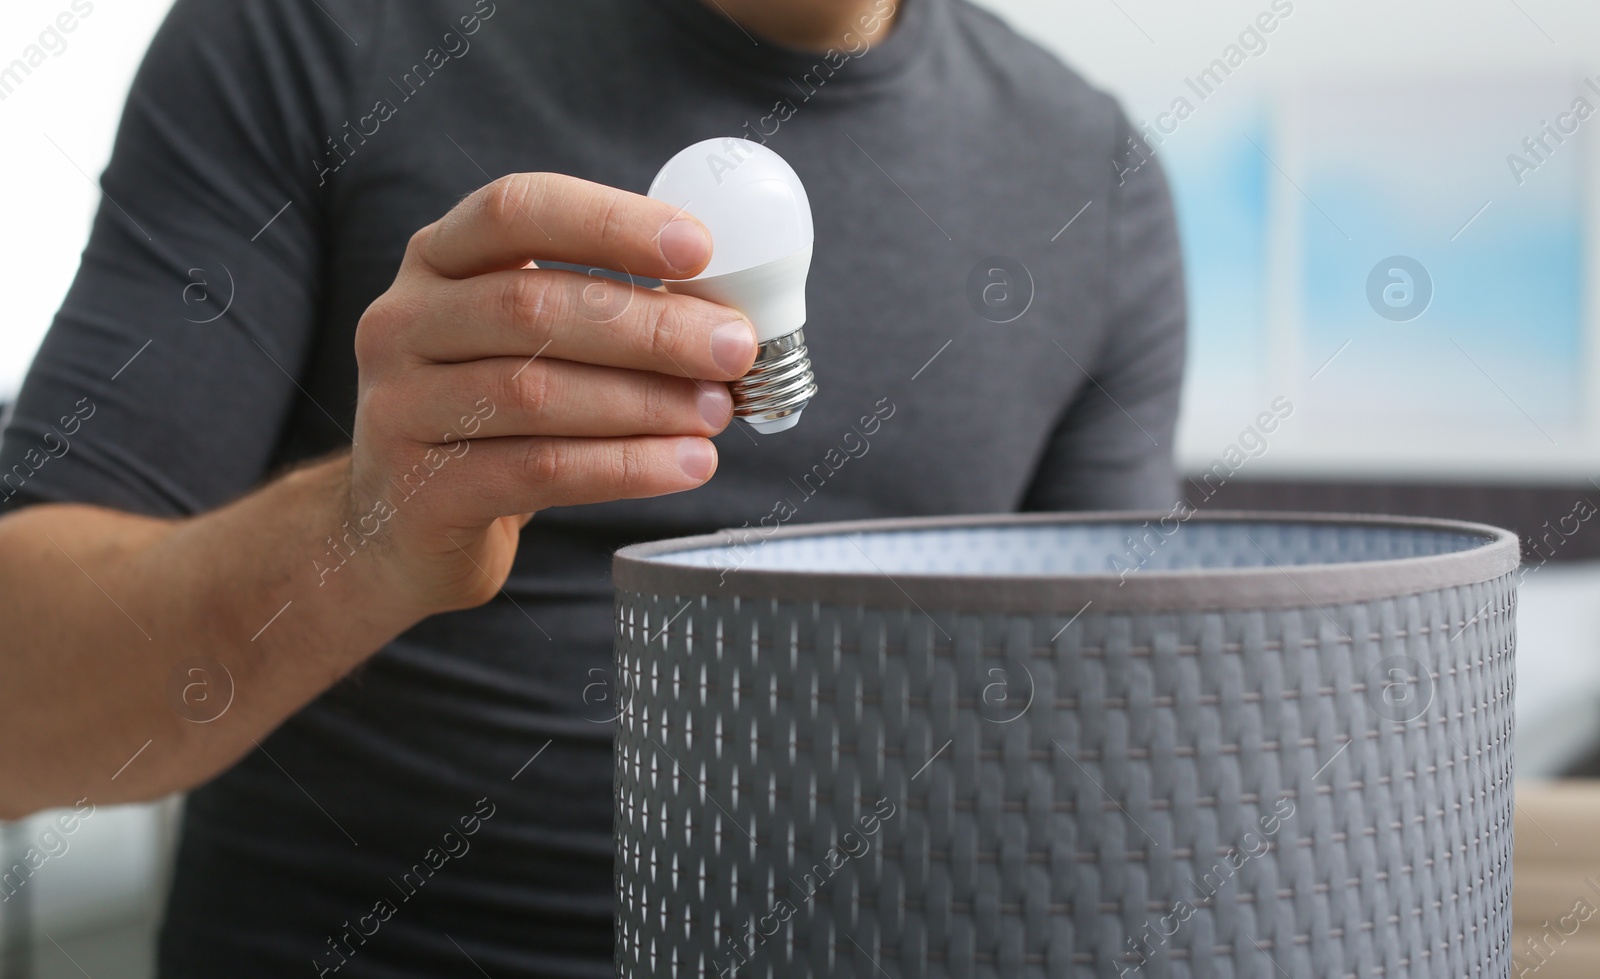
1388 212
1350 138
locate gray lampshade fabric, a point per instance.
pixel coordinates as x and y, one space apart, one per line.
1088 745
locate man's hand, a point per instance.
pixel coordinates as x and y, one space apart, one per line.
490 389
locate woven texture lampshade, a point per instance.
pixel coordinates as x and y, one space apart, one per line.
1067 746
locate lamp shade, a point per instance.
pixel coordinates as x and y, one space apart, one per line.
1067 746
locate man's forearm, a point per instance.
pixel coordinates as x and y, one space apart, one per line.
176 644
484 395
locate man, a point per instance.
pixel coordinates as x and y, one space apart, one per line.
310 511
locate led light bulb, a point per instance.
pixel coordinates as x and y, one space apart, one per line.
761 234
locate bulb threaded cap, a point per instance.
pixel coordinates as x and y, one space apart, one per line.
778 387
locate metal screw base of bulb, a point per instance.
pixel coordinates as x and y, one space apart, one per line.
779 385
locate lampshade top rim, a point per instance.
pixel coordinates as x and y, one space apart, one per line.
647 568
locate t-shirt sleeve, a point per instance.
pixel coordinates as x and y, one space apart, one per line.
1113 447
165 379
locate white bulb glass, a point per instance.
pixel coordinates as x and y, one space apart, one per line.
759 217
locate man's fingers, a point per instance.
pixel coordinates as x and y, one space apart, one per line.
507 476
506 396
572 316
533 216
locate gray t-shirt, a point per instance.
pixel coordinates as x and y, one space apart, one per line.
996 323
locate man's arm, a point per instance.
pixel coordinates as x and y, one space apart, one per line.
471 365
1113 448
152 405
100 608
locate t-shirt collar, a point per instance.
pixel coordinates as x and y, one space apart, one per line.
847 65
